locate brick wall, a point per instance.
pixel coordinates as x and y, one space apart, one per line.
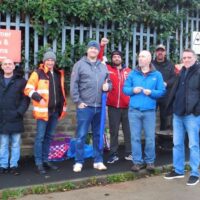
66 126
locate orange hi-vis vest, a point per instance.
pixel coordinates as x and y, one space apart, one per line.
39 82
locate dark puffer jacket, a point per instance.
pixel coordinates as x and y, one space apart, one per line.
13 104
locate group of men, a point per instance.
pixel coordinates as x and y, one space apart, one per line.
132 100
45 88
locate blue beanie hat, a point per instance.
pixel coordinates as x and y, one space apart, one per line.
93 43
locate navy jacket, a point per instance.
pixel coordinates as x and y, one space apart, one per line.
13 104
192 91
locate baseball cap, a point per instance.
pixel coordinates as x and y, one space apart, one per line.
160 46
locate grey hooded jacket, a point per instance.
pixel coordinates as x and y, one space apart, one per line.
86 82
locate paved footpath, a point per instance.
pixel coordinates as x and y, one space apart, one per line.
28 176
151 188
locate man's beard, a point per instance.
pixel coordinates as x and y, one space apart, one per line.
117 64
160 58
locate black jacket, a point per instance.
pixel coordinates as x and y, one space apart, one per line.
13 104
192 91
166 68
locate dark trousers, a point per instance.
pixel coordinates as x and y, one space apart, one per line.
164 123
117 116
43 137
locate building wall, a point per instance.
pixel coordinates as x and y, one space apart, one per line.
66 126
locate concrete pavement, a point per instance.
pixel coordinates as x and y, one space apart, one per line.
151 188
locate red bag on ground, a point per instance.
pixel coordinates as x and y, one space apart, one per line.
58 147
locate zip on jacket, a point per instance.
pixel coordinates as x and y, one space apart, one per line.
152 81
86 82
38 87
116 97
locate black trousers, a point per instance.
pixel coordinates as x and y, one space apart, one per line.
164 119
117 116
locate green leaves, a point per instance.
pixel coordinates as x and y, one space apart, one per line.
55 13
123 14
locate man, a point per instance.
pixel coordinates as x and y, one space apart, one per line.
166 68
46 89
144 85
88 80
185 99
13 105
117 103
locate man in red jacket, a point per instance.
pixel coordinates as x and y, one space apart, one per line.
117 103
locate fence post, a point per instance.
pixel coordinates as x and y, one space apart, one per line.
63 38
141 36
27 39
134 45
7 21
35 47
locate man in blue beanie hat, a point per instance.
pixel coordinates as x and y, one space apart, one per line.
88 81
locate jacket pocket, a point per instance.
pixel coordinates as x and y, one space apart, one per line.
12 116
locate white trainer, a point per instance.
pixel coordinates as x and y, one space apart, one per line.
99 166
77 167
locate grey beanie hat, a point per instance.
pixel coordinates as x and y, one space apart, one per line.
49 55
93 43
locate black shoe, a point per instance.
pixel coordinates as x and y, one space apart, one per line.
193 180
173 175
3 170
137 167
49 165
41 170
14 171
150 167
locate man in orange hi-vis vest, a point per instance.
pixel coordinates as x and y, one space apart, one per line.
46 89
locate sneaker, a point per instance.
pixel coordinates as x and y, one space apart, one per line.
193 180
128 157
3 170
49 165
150 167
100 166
173 175
14 171
137 167
113 159
77 167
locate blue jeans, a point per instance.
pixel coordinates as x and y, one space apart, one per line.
139 120
45 130
5 141
85 117
181 125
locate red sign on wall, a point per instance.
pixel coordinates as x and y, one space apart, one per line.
10 45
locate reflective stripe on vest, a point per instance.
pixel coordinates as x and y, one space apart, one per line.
38 109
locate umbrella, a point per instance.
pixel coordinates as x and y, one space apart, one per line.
103 117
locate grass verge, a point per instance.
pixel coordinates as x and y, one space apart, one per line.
12 194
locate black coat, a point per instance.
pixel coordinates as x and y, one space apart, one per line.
166 68
192 91
13 104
